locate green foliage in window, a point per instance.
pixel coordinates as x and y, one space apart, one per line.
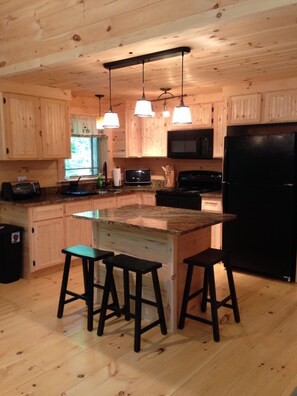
84 159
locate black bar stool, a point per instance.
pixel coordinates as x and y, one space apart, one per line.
140 267
207 259
88 255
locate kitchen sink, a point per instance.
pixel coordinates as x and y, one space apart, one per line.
79 192
108 191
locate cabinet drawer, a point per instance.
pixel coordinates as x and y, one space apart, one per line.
211 205
47 212
78 207
130 199
104 203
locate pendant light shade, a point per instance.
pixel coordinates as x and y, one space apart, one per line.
99 119
182 114
166 112
143 106
111 119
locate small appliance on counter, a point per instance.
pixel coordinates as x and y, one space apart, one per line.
134 177
169 176
20 190
117 177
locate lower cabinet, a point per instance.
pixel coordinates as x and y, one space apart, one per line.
77 231
46 236
214 205
148 198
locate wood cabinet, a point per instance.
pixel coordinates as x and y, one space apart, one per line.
104 203
244 109
22 127
279 106
47 236
129 199
154 136
34 128
214 204
55 128
133 133
78 231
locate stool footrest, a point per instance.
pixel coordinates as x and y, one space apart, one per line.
199 319
195 294
76 296
144 300
150 326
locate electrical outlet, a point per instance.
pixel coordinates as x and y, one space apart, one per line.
22 178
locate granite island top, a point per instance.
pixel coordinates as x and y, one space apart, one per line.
156 218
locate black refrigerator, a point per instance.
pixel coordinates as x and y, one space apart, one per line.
259 179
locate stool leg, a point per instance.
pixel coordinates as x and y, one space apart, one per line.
205 291
183 311
90 294
159 302
114 295
232 291
108 280
64 286
213 302
137 324
85 275
127 295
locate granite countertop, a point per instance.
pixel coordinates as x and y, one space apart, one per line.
58 198
156 218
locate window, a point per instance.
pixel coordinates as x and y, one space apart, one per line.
85 157
88 149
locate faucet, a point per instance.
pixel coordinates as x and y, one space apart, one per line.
104 171
74 184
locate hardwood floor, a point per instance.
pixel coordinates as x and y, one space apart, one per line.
45 356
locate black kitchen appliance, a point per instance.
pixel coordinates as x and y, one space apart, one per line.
259 186
190 186
20 190
134 177
190 144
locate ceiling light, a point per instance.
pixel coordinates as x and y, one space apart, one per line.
143 106
166 112
165 95
99 119
182 114
111 119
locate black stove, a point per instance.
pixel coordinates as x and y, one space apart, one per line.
190 186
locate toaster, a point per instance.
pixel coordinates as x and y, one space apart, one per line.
20 190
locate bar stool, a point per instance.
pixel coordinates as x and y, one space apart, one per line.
207 259
140 267
89 256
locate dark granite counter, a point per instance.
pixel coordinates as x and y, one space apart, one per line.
157 218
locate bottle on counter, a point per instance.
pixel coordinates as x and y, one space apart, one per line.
100 181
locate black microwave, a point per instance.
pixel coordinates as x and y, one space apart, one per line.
191 144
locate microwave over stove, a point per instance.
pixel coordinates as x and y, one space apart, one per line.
190 144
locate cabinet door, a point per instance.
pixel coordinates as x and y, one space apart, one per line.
133 134
154 136
22 124
244 109
220 129
55 128
201 115
280 106
214 205
78 231
48 241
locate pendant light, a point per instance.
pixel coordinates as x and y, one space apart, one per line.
143 106
99 119
111 119
182 114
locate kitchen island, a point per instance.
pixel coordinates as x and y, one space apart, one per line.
157 233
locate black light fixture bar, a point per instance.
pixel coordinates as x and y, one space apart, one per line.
155 56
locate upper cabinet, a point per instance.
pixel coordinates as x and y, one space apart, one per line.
55 128
268 107
279 106
33 127
244 109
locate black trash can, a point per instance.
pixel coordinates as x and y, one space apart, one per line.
11 248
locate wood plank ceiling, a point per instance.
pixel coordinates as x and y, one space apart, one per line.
65 43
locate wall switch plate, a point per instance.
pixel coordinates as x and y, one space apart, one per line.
22 178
